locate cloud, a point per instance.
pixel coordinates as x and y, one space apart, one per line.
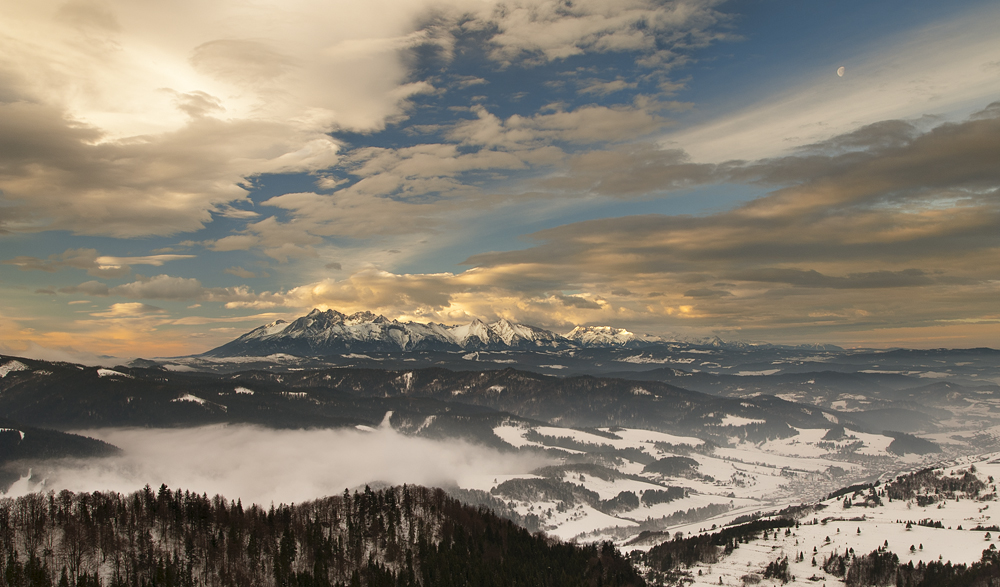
587 124
127 310
97 265
415 188
578 302
603 88
549 30
240 272
55 177
814 279
886 207
706 292
167 287
161 287
467 81
632 170
88 16
264 466
127 129
77 258
116 137
245 63
93 288
515 293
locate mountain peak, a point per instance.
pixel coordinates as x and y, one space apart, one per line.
365 316
328 332
601 336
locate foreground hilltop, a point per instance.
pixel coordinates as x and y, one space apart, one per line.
399 536
933 527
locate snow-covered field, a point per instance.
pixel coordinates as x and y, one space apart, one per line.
723 481
836 529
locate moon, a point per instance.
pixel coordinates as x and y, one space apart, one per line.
841 70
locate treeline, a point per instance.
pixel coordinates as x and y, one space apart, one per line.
881 567
665 559
933 482
395 537
630 453
904 443
671 466
569 495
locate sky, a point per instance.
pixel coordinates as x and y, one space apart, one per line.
175 174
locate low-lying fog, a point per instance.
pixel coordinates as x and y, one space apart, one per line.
263 465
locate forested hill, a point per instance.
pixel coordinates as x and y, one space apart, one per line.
400 536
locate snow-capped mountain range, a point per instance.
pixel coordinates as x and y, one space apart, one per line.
322 332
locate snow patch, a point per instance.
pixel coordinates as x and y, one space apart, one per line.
187 397
731 420
757 373
112 373
513 435
179 368
12 366
243 391
642 360
934 375
427 422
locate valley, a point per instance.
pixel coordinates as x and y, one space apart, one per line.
635 442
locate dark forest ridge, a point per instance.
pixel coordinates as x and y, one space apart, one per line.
393 537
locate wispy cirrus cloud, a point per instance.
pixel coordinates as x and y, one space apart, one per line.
89 259
943 69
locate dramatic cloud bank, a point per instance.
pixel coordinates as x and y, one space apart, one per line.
172 175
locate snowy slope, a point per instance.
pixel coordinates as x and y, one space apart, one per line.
330 332
320 333
723 481
930 525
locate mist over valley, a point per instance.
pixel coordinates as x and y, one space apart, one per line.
499 293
